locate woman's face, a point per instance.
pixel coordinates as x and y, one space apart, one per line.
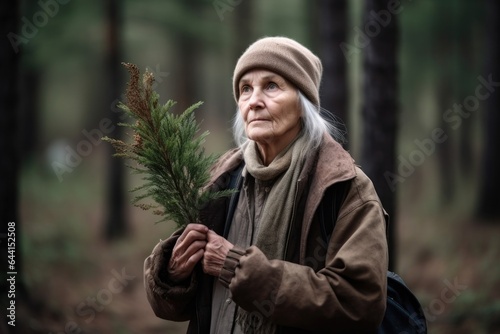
269 105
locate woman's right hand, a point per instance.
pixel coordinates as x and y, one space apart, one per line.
188 250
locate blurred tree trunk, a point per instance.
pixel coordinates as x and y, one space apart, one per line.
332 32
444 150
464 47
9 163
453 36
243 19
116 224
190 50
488 206
30 83
445 100
380 110
186 85
243 36
30 89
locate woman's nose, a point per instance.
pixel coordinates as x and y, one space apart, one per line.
255 100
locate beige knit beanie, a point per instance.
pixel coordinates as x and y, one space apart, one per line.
286 57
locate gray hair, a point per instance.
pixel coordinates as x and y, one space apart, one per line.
316 121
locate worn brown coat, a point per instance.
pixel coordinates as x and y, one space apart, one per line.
320 288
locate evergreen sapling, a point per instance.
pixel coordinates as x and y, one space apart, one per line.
167 151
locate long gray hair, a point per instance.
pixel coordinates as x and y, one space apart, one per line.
314 125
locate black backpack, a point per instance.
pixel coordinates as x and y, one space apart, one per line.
403 314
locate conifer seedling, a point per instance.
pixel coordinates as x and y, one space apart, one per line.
167 151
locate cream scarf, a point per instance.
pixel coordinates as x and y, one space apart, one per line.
277 212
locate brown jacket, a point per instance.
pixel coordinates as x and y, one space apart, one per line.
338 289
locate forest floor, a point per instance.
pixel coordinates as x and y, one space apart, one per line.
71 272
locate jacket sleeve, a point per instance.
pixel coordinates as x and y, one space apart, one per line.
169 300
348 294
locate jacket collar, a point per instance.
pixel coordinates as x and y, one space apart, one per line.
334 164
227 162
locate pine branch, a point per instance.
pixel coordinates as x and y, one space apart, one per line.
170 153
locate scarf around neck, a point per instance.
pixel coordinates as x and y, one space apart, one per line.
278 210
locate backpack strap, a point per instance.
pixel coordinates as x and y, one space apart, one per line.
329 207
235 182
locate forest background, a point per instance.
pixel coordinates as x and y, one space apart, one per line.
414 81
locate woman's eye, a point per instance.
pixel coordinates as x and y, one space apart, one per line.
272 86
244 89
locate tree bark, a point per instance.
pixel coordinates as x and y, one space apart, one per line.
380 110
30 83
116 223
445 150
465 41
332 32
190 49
243 22
488 206
10 226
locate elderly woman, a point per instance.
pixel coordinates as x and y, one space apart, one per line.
268 268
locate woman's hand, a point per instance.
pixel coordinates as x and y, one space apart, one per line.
188 250
215 253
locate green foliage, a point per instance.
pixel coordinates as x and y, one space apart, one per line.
169 154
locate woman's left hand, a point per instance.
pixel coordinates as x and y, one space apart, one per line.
215 253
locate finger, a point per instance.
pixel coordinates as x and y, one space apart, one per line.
181 265
194 259
211 235
195 230
183 251
189 238
192 249
216 242
197 227
187 267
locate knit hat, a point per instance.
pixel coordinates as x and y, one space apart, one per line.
285 57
